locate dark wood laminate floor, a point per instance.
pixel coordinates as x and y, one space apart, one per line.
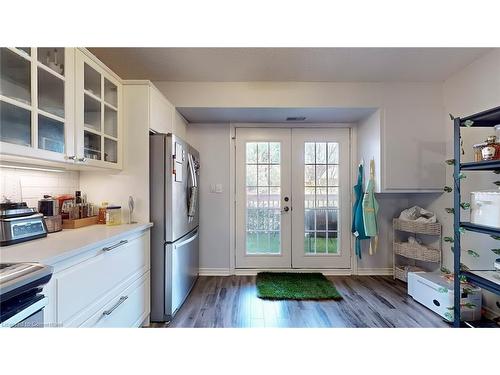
369 301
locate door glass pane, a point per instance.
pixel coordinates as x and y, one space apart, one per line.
52 58
321 197
110 150
91 145
92 113
91 80
110 122
50 93
110 93
15 124
50 134
263 198
15 76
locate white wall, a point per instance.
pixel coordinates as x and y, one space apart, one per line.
213 143
30 185
368 145
474 89
402 103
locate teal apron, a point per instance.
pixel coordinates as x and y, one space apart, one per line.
358 226
370 210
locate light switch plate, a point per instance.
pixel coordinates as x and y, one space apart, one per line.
218 188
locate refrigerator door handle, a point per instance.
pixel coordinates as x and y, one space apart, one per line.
192 190
185 242
192 170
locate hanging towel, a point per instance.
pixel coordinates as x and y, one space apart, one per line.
370 210
358 227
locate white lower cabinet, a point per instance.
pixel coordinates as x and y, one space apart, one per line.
129 308
106 287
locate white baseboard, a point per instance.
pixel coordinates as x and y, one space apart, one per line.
375 271
215 272
328 272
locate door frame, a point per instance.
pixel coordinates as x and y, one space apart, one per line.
232 192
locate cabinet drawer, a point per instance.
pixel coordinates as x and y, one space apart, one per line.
79 286
127 309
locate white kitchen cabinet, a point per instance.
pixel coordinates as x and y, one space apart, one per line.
161 112
105 286
409 154
98 113
59 105
37 102
129 308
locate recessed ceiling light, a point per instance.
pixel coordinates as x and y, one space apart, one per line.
299 118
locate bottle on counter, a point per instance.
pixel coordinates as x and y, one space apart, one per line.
101 215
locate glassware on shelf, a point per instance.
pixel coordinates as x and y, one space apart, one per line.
52 58
91 145
110 150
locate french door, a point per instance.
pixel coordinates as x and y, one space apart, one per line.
292 198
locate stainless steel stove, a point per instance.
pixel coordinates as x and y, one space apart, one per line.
21 301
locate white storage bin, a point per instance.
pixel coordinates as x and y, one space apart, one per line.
435 291
485 208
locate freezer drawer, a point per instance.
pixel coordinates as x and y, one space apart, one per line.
184 268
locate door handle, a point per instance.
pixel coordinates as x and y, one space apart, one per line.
286 209
108 248
185 242
120 301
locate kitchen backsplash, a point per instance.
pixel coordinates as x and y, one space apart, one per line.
30 185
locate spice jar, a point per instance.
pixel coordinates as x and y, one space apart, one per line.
113 215
492 149
101 215
477 148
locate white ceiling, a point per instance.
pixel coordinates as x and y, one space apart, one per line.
288 64
273 115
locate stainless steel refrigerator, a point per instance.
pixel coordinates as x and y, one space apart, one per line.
174 175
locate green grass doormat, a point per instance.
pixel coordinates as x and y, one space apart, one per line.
296 286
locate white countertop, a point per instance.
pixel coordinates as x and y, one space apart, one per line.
59 246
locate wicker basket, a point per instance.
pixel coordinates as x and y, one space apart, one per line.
401 272
418 252
433 229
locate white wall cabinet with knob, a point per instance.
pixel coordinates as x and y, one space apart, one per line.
98 125
59 106
37 102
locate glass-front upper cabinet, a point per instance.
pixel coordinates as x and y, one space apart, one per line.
98 116
36 102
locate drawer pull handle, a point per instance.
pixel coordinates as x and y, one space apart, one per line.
120 301
122 242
